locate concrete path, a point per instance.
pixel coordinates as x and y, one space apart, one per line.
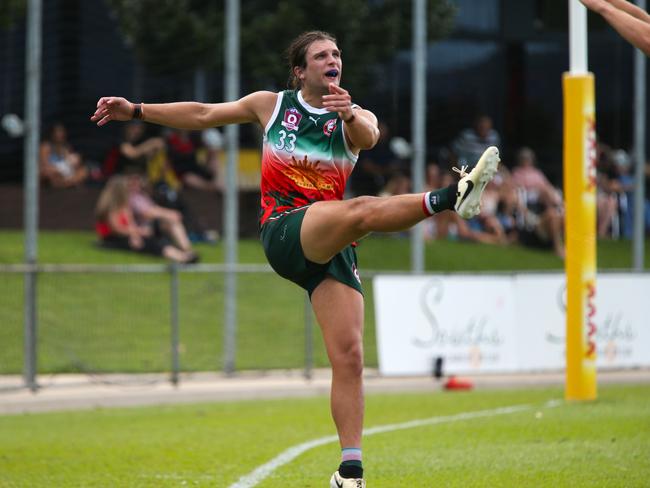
79 392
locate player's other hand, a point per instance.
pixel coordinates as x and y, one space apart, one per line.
112 108
338 100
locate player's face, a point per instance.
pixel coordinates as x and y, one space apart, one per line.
324 65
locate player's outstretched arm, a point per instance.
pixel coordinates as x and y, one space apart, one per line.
188 115
630 8
631 22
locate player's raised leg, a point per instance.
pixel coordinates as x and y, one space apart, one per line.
329 226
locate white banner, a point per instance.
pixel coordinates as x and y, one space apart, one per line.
503 323
540 303
467 320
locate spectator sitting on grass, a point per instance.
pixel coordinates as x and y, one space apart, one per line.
117 229
60 165
530 208
184 157
136 149
471 142
162 221
527 176
376 166
450 226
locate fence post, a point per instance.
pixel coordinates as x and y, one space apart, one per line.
173 272
309 340
30 330
32 117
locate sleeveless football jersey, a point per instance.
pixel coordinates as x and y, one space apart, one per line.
305 157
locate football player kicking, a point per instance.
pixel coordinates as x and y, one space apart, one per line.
312 137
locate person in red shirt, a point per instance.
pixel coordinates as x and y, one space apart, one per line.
117 229
182 151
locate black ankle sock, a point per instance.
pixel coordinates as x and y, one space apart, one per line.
443 199
351 469
453 194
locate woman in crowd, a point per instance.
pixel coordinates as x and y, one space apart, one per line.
116 226
60 165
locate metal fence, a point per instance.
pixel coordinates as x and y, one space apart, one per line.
100 319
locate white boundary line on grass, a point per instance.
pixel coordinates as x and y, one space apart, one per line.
263 471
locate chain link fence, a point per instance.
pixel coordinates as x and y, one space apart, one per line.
104 319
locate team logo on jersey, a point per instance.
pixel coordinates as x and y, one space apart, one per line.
329 127
291 119
355 272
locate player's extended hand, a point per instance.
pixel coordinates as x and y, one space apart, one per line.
112 108
595 5
338 100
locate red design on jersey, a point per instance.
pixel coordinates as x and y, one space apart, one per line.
329 127
294 183
306 174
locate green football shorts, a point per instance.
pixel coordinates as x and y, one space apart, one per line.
281 240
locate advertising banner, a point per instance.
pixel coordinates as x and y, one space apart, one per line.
469 321
512 323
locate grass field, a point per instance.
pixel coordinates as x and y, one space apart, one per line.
597 444
376 253
92 322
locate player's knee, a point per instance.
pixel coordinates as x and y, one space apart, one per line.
349 360
362 211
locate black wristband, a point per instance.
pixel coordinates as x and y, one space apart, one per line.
137 111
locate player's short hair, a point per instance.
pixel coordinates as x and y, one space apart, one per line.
297 53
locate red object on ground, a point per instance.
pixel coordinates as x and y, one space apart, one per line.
454 383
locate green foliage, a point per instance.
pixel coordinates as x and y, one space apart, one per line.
10 12
367 33
175 35
172 35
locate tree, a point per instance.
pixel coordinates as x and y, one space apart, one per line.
174 35
10 11
368 32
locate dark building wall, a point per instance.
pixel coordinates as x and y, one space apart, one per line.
81 48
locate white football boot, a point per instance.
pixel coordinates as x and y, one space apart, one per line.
338 482
471 185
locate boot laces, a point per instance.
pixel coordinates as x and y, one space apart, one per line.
462 171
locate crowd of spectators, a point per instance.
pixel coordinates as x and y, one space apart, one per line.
520 206
142 207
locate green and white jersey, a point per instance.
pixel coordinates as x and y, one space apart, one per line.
305 157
